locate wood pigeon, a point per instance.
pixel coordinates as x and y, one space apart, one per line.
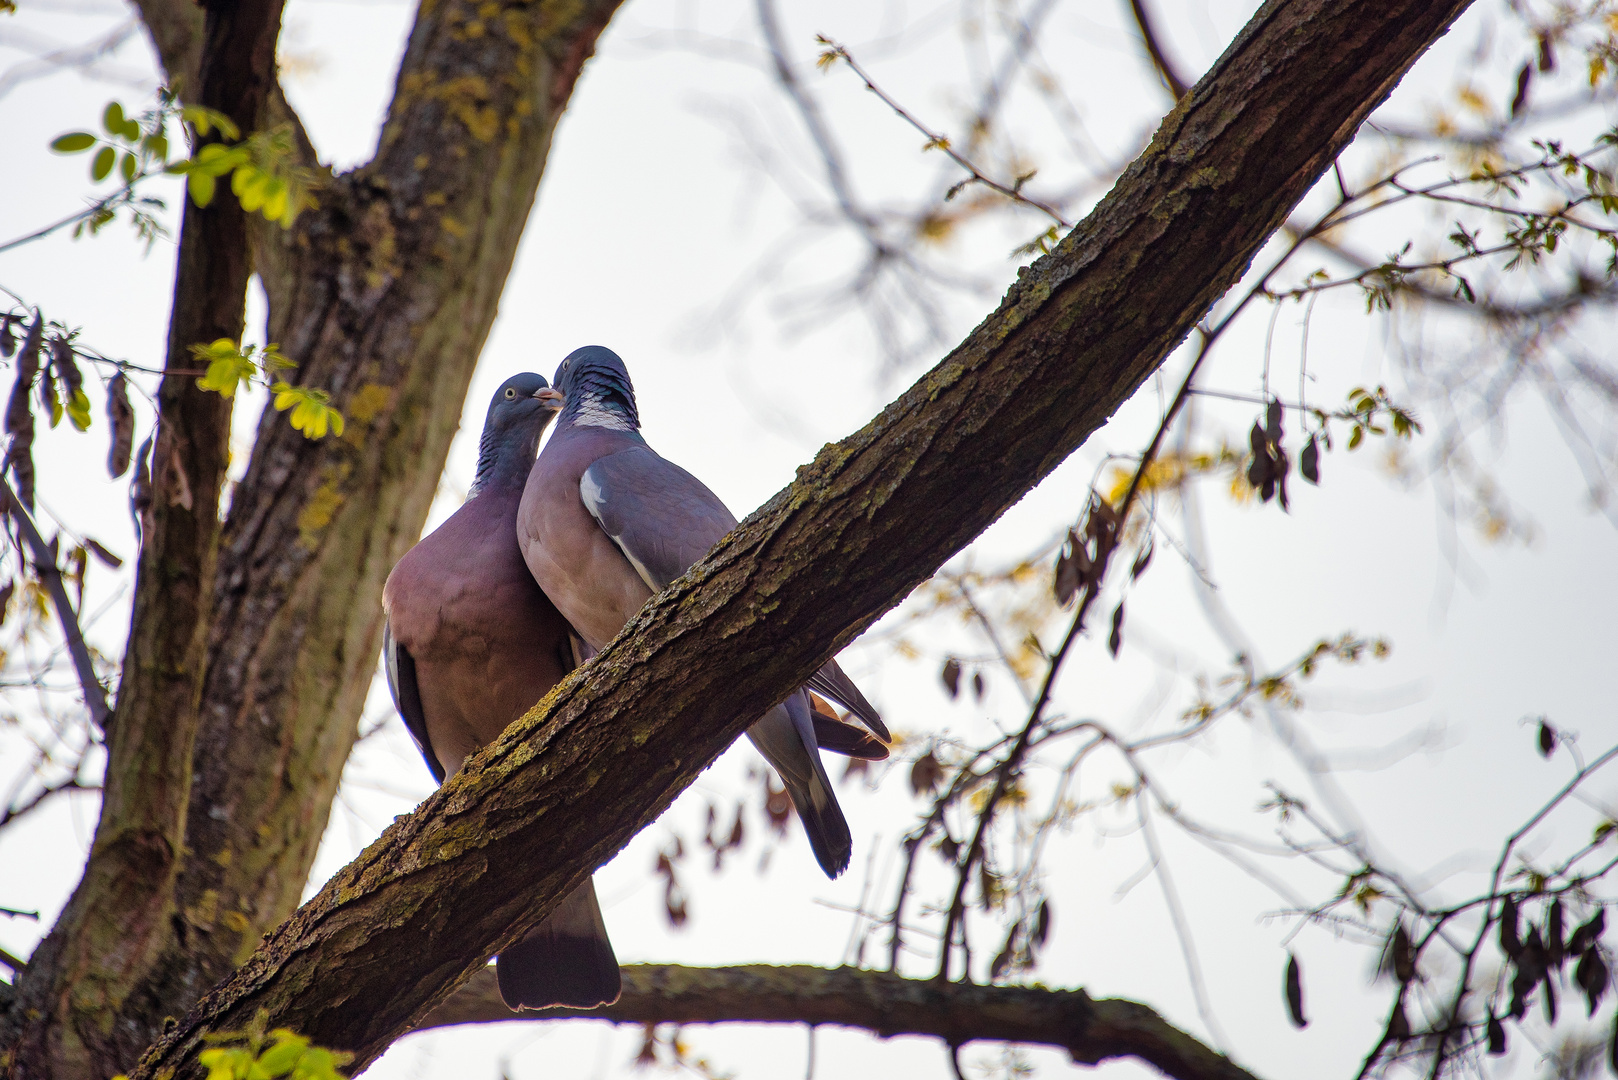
605 523
470 644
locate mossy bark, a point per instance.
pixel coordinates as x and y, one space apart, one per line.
568 785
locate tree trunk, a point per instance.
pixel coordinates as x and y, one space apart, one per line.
252 648
569 784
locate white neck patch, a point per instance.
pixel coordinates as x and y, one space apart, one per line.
593 412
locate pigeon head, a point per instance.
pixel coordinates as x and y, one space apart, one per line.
518 413
596 390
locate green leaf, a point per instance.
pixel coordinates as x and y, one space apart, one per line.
105 158
311 412
279 1059
127 166
228 366
78 410
73 142
130 131
156 146
113 118
201 187
205 120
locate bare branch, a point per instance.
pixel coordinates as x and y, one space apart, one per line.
879 1002
44 559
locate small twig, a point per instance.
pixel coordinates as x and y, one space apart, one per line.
936 140
1171 78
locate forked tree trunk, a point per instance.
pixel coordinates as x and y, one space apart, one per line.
253 645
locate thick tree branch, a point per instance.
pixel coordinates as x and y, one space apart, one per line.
570 784
880 1002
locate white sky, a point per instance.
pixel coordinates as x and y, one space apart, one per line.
648 219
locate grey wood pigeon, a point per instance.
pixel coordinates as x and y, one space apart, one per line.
471 643
605 523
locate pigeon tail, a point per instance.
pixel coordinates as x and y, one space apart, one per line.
565 961
786 737
823 822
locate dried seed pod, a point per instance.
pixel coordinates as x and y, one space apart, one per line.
1553 934
121 419
951 676
66 367
1497 1035
1592 976
1399 1022
926 774
1042 922
1142 561
1547 738
1402 955
1510 943
977 685
1071 565
1115 640
1294 992
20 417
1588 933
1309 460
47 395
8 337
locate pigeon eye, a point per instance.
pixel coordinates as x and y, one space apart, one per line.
510 393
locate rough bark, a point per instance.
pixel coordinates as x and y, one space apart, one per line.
570 784
879 1002
81 989
252 648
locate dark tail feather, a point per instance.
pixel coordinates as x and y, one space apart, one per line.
834 683
814 799
566 960
825 826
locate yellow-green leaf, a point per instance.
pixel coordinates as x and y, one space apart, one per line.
73 142
103 162
201 187
113 118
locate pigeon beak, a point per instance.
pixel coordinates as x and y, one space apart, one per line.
550 398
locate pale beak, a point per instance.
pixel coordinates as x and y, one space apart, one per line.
550 398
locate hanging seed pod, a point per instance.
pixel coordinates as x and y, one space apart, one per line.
1042 921
1510 944
1588 933
1497 1035
1115 640
1592 976
20 418
977 685
121 419
1402 955
1399 1022
926 774
951 676
47 395
66 367
1294 992
1547 738
1309 460
8 337
1553 934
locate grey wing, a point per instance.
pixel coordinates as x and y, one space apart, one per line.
661 517
401 668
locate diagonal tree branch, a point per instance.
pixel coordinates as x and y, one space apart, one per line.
95 695
880 1002
1154 48
567 786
